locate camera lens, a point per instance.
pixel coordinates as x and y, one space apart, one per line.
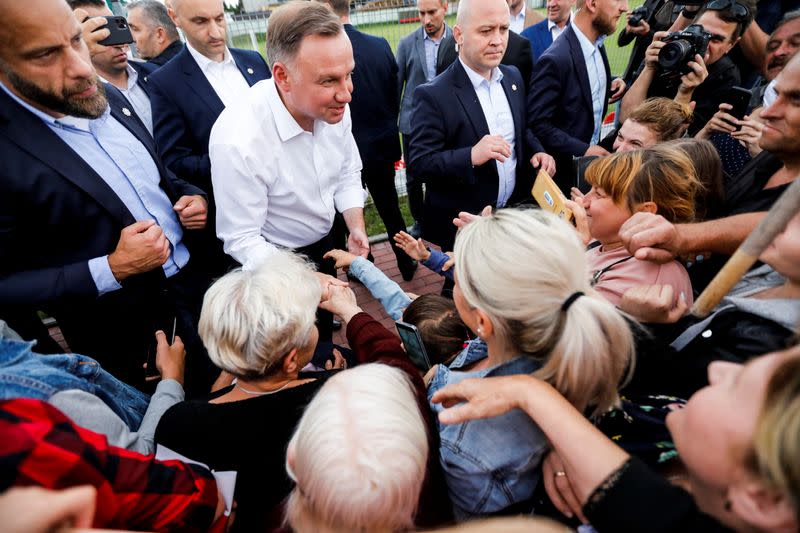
675 54
121 24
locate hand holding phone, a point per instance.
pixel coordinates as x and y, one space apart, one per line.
739 98
120 33
412 342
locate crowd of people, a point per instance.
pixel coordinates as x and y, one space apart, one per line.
185 215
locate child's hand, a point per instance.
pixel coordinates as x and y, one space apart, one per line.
414 248
343 259
450 263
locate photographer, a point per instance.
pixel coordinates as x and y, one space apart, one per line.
651 17
704 77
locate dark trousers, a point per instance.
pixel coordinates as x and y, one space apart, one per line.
416 197
378 177
315 252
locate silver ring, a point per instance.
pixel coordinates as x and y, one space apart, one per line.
560 473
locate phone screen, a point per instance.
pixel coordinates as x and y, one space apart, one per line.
412 341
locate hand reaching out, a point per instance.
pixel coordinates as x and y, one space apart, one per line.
414 248
343 259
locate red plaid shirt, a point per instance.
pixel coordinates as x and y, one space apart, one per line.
40 446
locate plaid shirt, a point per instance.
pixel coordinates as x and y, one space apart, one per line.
40 446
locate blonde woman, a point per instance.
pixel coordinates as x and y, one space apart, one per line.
522 288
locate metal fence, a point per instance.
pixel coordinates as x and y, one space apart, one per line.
391 19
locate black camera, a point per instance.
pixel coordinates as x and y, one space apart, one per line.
637 16
681 48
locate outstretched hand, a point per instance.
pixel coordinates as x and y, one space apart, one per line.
341 301
414 248
342 258
465 218
481 397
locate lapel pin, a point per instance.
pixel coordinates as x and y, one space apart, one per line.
145 78
249 71
513 86
126 111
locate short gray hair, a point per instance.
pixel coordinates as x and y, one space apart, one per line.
788 17
294 21
252 319
358 419
156 15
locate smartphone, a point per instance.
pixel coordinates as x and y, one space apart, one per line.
412 342
549 196
120 32
739 98
162 323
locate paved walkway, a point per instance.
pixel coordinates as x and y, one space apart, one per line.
425 281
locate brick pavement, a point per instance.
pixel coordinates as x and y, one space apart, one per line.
425 281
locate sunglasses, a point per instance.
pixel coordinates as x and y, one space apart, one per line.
739 12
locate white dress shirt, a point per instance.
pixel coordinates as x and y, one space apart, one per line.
555 31
497 111
517 23
138 99
597 77
275 183
225 77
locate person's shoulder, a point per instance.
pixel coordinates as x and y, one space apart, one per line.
247 114
512 72
163 75
532 31
249 54
410 38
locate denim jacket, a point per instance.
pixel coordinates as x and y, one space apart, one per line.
493 463
26 374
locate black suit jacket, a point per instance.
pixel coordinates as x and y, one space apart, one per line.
518 54
560 103
168 53
57 213
185 107
447 121
374 107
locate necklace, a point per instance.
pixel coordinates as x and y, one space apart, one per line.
263 393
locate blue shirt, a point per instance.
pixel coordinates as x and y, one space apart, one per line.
124 163
597 77
431 51
492 463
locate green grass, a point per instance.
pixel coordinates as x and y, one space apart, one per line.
375 224
393 32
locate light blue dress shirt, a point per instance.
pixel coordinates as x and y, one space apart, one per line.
597 77
431 51
138 99
497 112
123 162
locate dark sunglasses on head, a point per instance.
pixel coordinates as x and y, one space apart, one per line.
739 12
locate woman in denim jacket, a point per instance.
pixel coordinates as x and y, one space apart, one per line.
522 287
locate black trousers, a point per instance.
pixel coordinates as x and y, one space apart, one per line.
315 252
378 177
416 197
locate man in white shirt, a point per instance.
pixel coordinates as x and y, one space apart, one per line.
189 93
111 63
283 158
469 141
521 16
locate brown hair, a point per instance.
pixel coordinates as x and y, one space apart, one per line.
776 443
661 174
708 168
442 330
340 7
294 21
667 118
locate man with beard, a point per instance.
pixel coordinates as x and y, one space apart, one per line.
572 85
91 224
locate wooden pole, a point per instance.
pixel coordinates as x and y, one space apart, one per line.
787 206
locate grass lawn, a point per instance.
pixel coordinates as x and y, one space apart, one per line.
375 224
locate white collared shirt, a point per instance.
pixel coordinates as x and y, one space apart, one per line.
555 31
497 111
275 183
225 77
138 99
597 77
517 24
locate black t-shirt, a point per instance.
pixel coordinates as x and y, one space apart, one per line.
722 75
745 193
249 436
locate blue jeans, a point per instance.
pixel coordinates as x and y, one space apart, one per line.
26 374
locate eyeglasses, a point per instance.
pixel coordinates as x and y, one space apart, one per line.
739 12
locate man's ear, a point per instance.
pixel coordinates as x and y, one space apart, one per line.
173 16
457 34
161 35
281 76
762 507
